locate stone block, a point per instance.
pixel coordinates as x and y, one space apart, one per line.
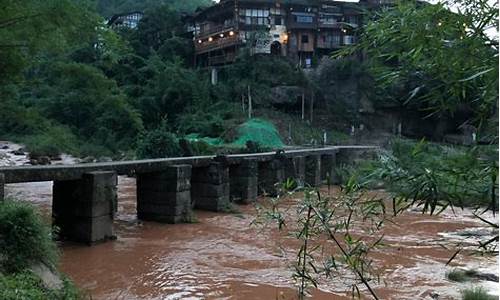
83 209
160 184
90 230
94 195
247 168
215 173
220 203
2 187
210 190
313 170
329 169
173 172
244 181
295 169
271 174
165 196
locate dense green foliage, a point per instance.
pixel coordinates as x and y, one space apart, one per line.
459 275
477 293
110 7
426 57
26 241
25 238
434 176
71 84
158 143
26 285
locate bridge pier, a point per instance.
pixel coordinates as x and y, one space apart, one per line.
2 187
210 187
165 196
83 209
270 173
313 170
329 169
244 181
295 168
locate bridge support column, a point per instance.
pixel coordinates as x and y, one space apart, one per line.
313 170
165 196
271 173
2 187
83 209
295 168
244 181
210 187
329 169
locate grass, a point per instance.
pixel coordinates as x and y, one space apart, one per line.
458 275
477 293
26 285
26 239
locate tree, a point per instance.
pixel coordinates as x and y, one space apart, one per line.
430 58
28 27
83 98
108 8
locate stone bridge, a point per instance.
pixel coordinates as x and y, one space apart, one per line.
85 198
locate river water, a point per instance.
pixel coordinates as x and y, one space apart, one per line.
222 256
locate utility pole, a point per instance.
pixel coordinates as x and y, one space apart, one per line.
303 105
312 106
249 103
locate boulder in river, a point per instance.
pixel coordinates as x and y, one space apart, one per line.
50 279
18 152
44 160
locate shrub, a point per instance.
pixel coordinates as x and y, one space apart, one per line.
460 275
158 143
26 285
52 142
477 293
436 176
24 238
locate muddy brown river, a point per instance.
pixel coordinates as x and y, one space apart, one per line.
223 257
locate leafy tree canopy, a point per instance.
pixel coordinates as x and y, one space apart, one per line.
431 58
29 27
108 8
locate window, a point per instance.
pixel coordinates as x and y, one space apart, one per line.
332 40
256 16
328 20
278 21
303 19
304 39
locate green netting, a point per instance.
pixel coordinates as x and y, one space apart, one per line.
194 137
260 131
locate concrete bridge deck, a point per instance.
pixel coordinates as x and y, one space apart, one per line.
20 174
85 195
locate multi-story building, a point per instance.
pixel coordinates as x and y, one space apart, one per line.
298 29
127 20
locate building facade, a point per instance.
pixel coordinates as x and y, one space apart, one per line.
301 30
126 20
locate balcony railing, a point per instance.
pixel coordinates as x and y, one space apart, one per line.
218 43
215 29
